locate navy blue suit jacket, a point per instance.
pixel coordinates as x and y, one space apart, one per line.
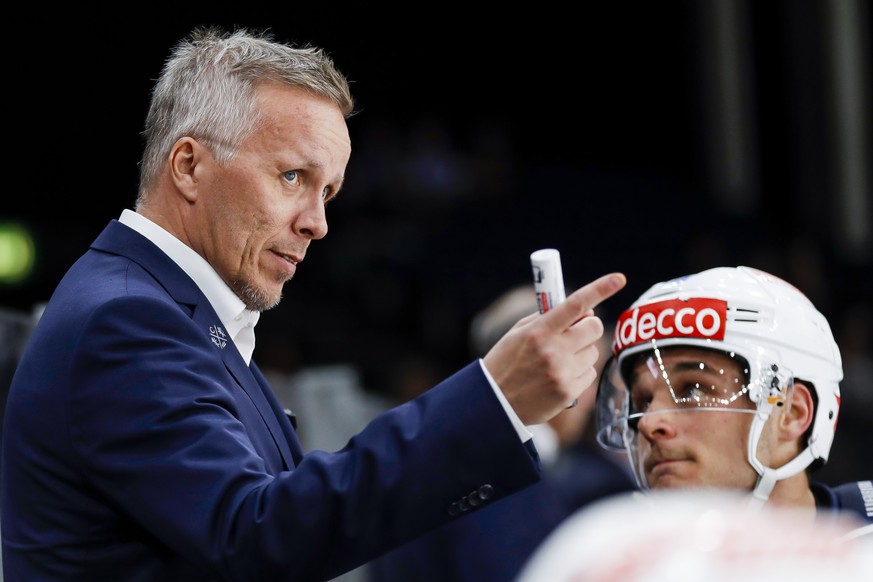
138 445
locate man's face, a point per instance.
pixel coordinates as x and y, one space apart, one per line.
691 434
264 208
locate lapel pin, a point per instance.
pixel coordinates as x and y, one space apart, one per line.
218 336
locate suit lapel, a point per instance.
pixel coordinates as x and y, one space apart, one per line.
284 422
238 368
118 239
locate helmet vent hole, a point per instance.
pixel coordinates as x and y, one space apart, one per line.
744 314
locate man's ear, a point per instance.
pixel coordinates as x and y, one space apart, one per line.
801 412
185 155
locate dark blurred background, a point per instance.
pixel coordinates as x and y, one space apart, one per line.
653 138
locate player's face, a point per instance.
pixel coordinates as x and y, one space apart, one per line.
691 434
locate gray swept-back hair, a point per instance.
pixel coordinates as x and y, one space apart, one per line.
206 90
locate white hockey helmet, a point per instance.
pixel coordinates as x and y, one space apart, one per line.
741 311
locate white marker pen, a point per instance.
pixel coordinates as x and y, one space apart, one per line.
548 281
548 278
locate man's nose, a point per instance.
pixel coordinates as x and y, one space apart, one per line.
312 220
658 420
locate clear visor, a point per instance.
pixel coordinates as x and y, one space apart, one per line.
681 378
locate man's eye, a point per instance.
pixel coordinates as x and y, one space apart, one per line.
695 392
290 175
640 404
325 194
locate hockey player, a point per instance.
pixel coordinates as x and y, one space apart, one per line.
728 379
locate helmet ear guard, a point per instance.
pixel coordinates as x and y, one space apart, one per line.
746 313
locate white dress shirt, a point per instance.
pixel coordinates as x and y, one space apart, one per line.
239 322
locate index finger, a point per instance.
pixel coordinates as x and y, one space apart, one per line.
583 300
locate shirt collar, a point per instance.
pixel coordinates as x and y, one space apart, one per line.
230 309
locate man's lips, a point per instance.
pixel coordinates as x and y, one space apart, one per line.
661 464
286 262
291 258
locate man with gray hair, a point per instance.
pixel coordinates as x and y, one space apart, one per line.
141 440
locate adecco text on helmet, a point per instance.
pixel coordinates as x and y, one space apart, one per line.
699 317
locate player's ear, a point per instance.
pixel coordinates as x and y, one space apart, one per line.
798 418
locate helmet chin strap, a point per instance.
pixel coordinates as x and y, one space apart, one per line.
767 476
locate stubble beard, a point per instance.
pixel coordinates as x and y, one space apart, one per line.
257 299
